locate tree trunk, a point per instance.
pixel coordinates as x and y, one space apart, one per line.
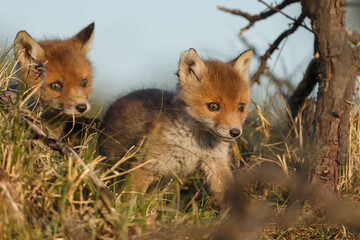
335 95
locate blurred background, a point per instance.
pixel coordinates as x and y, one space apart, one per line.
138 43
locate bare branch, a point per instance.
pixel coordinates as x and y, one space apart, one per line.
254 18
281 12
273 47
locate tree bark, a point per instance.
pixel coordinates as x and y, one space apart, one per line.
335 95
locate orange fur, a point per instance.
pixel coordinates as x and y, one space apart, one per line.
66 65
220 83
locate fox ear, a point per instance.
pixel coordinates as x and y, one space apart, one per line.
242 63
32 51
191 66
84 38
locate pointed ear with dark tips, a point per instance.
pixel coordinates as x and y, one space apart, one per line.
28 49
242 63
85 37
191 66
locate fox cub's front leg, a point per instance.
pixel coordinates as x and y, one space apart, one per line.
138 182
220 179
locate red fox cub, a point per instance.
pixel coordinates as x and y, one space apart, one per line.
187 129
67 81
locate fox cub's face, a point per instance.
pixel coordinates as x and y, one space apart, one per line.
216 94
68 73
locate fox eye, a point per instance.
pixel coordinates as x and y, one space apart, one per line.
214 107
241 107
83 83
56 86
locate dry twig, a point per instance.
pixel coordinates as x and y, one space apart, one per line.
254 18
68 151
273 47
281 12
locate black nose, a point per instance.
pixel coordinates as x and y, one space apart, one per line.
81 107
234 132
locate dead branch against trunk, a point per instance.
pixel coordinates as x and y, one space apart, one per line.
356 53
309 9
305 87
354 37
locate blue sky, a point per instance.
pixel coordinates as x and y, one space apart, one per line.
138 43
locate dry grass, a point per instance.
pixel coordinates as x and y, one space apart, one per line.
45 194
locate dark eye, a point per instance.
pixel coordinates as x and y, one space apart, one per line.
56 86
214 107
83 83
241 107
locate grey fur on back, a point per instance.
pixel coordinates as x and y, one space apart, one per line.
130 118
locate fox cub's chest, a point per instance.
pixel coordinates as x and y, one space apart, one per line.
180 150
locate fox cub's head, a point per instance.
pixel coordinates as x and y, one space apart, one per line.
216 94
68 74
